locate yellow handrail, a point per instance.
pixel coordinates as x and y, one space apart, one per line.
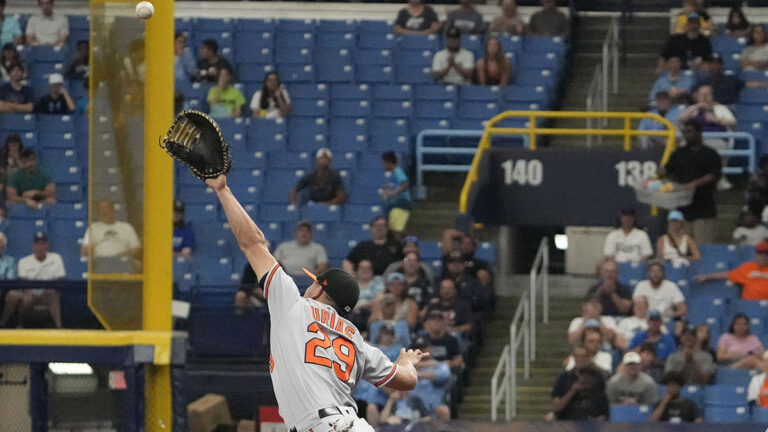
532 131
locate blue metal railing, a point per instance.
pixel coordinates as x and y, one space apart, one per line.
750 153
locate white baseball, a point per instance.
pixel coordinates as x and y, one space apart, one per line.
145 10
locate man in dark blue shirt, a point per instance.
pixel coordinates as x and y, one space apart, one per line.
726 88
183 236
15 97
57 101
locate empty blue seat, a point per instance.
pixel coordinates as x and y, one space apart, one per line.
718 288
309 107
20 234
334 72
254 25
307 134
361 213
296 72
336 40
294 39
233 129
753 308
296 25
22 211
273 231
371 177
479 93
430 250
64 234
44 53
526 76
390 142
392 109
245 157
431 109
350 108
321 213
400 92
55 123
250 47
725 375
56 139
478 110
759 414
212 24
486 251
310 91
279 213
62 210
754 95
18 122
350 91
339 247
353 231
202 212
510 43
397 126
217 331
368 39
65 173
692 392
414 74
345 161
726 414
420 124
540 60
347 134
69 192
252 177
436 92
288 160
725 396
79 22
342 26
631 273
375 73
364 195
265 134
197 194
630 413
420 58
752 113
374 56
419 42
544 44
215 271
728 45
473 43
285 176
293 55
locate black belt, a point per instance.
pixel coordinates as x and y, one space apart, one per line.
323 413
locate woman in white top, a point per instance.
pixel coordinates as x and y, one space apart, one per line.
755 55
677 246
272 101
627 243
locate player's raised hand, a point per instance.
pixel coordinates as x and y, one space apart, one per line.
411 356
217 183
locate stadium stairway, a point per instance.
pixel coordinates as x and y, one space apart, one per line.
645 38
533 395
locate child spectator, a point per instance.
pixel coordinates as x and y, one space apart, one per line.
663 295
453 65
183 236
225 101
549 21
750 231
210 63
676 246
57 101
675 81
47 28
737 25
15 97
579 393
631 386
396 192
10 30
696 365
627 243
78 68
739 348
493 68
273 100
755 55
673 407
184 69
416 18
509 22
465 18
31 184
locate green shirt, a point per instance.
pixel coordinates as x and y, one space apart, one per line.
229 100
23 182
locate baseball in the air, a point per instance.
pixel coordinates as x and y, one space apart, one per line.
145 10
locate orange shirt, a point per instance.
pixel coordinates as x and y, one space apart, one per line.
753 279
762 397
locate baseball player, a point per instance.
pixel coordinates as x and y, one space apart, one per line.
317 356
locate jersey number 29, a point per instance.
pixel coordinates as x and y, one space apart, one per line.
344 350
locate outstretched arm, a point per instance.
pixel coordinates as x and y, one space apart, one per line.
249 237
406 377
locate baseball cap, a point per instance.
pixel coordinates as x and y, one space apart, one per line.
304 224
178 206
762 247
675 215
455 256
340 286
395 276
435 314
410 239
40 236
631 357
453 33
654 314
693 16
592 323
324 151
55 78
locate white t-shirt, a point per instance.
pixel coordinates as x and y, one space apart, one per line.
602 359
52 267
755 384
293 256
111 240
607 322
48 30
463 58
661 299
750 236
273 111
630 247
629 326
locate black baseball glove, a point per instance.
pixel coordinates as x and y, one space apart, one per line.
196 140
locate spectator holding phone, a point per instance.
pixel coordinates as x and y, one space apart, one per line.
273 100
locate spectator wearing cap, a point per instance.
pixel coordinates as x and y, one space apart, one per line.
697 167
663 295
579 392
757 391
47 28
395 191
42 265
416 18
465 18
750 231
302 252
696 365
454 239
10 30
387 306
7 262
676 246
109 237
664 343
468 286
695 7
755 54
15 97
454 64
434 380
739 348
381 250
591 316
592 341
183 236
324 184
57 101
675 81
752 276
405 307
374 398
673 407
210 63
225 100
627 243
615 298
631 386
444 346
692 47
457 312
549 21
31 184
725 88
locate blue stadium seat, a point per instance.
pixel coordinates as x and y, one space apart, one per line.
718 288
222 37
22 211
265 134
725 396
374 56
631 273
548 60
375 73
392 109
371 174
478 110
60 210
58 156
420 58
56 139
350 91
181 266
479 93
630 413
419 42
754 95
430 250
245 157
347 134
414 74
65 234
526 76
351 108
43 53
296 25
288 161
307 134
214 293
20 235
273 231
335 40
753 308
65 173
510 44
309 91
321 213
337 26
725 375
216 271
420 124
345 161
751 113
247 177
55 123
279 213
196 194
694 393
364 195
339 247
250 47
361 213
233 129
296 72
18 122
254 25
397 92
726 414
79 22
432 109
375 26
382 126
309 107
76 268
356 232
293 55
437 92
390 142
200 212
69 192
486 251
759 415
727 45
294 39
212 24
334 72
474 44
376 40
544 44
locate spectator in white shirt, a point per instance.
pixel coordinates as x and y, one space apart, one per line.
273 100
42 265
750 231
592 340
47 28
591 316
110 237
628 243
630 326
302 252
663 295
453 65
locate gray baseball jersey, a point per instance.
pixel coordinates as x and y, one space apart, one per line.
317 357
